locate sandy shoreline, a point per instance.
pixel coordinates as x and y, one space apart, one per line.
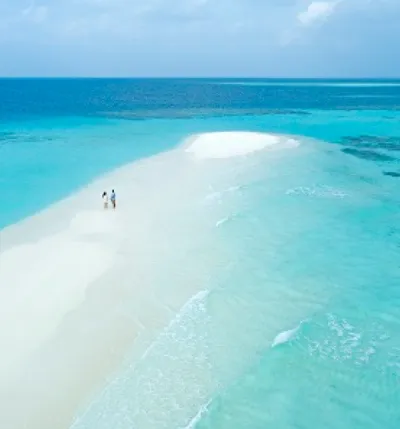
79 283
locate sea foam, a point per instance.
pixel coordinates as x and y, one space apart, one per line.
285 336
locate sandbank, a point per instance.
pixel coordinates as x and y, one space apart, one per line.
78 284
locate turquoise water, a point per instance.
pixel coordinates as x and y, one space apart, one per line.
301 328
313 245
341 365
55 156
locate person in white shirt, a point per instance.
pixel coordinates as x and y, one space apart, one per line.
113 199
105 200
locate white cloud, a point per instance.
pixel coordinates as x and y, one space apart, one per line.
317 11
117 21
37 14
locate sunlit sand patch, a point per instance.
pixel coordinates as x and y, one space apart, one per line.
233 144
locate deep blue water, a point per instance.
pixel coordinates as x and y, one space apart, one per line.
142 98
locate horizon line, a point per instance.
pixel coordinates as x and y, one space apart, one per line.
206 77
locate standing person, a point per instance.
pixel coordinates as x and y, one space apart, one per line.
113 199
105 199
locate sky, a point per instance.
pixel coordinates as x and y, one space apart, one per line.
200 38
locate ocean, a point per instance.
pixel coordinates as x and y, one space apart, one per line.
291 257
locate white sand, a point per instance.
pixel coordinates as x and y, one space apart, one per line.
232 144
78 283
